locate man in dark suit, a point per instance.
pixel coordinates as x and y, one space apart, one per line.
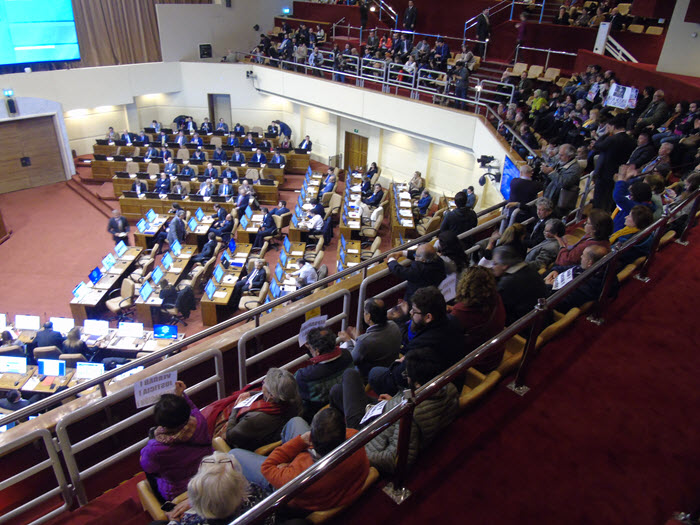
278 159
242 201
238 129
238 156
545 209
126 137
165 153
229 173
176 231
222 126
614 150
47 337
249 142
283 128
190 125
644 152
139 187
207 250
233 141
151 153
118 226
225 189
220 154
376 197
409 17
199 154
211 172
206 126
483 31
163 184
196 139
267 228
219 214
281 208
259 156
461 218
181 139
225 229
187 171
317 208
306 143
253 281
170 167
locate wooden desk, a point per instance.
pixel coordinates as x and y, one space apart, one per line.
403 227
36 386
16 381
146 239
93 303
217 309
5 232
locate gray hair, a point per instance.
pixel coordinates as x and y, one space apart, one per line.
218 488
556 226
545 203
506 255
568 150
282 387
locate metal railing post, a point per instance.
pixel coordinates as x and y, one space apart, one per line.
546 61
643 274
542 11
517 52
518 384
690 224
512 9
586 191
604 298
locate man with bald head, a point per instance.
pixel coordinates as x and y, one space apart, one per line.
426 269
379 345
591 289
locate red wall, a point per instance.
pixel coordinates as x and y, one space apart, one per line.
692 16
653 8
642 75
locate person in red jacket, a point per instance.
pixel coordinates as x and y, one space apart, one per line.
302 447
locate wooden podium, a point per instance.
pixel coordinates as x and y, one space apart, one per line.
4 230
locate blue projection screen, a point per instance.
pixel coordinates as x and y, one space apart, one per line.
37 31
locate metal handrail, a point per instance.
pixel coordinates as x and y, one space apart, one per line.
616 49
334 26
542 50
426 391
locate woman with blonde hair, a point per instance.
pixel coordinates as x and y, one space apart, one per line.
72 344
217 494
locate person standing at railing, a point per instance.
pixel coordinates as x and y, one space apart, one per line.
483 31
461 77
364 13
410 17
372 42
522 33
316 61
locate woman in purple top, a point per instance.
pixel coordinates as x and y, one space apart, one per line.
177 445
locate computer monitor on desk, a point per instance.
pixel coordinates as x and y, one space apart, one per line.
95 275
157 275
52 367
175 196
145 291
142 226
167 261
192 224
176 248
130 194
130 330
151 215
95 327
164 331
89 370
13 365
108 261
199 214
81 290
120 249
210 289
62 324
27 322
218 273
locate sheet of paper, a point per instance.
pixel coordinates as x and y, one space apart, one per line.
148 391
248 402
563 279
314 322
373 412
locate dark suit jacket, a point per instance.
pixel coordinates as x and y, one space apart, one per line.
259 158
211 173
239 158
279 211
305 144
374 199
459 220
483 27
243 202
233 141
139 187
207 251
520 290
220 215
615 151
257 282
48 338
418 274
163 186
642 154
267 222
187 172
409 18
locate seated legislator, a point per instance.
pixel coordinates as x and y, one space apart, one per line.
301 447
219 213
181 139
139 187
47 337
238 129
233 141
379 345
176 445
306 274
250 283
237 156
225 189
416 184
249 142
206 189
222 126
170 168
230 174
267 228
430 417
306 144
322 371
211 172
118 226
196 139
178 188
376 198
187 171
165 154
207 250
423 204
225 229
281 208
277 158
163 184
206 126
259 156
151 153
220 154
73 344
199 154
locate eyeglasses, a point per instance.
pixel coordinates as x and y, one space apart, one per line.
415 312
223 460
